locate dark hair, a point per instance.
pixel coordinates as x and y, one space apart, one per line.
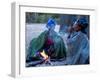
83 28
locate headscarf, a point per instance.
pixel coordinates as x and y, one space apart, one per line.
51 23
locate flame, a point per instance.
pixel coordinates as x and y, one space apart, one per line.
44 55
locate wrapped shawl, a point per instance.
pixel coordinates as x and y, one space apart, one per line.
37 44
78 46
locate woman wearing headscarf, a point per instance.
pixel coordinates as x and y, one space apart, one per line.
47 45
78 44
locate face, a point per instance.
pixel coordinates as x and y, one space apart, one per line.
76 27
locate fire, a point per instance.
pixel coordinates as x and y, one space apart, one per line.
44 55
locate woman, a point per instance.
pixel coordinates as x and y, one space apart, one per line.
78 44
48 44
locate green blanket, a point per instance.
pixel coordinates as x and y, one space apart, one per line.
37 43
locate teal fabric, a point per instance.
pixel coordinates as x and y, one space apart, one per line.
37 43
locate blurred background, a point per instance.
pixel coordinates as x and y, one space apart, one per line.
64 20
